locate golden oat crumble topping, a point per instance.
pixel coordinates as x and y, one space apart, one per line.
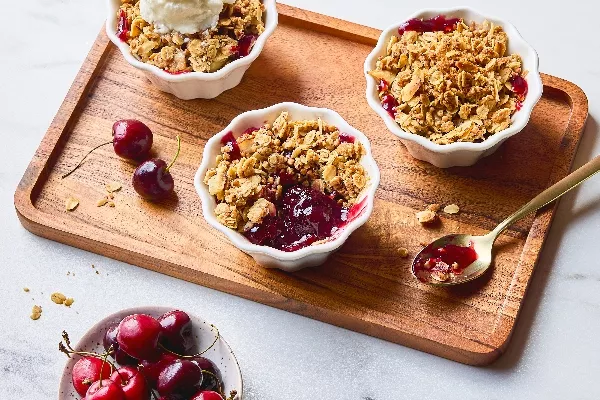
309 153
206 51
451 86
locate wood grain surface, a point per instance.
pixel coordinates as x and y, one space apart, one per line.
314 60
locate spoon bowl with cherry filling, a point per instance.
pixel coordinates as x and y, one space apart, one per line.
456 259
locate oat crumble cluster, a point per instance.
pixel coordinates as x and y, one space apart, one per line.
309 153
206 51
452 86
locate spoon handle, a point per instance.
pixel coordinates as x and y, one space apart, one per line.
552 193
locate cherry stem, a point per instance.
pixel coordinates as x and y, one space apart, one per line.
176 154
83 159
68 350
217 337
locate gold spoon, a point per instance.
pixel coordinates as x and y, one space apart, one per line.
482 245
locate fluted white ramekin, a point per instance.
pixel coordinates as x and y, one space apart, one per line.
460 153
266 256
194 85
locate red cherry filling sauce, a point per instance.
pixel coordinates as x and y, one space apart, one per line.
229 141
447 259
383 86
520 87
439 23
244 46
389 104
305 216
346 138
123 26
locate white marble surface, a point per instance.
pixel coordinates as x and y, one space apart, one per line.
555 350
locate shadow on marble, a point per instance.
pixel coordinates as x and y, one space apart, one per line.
522 333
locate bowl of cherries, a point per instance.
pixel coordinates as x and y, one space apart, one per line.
150 353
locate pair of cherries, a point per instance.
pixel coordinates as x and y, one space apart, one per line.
132 139
152 345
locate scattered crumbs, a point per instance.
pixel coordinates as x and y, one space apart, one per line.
111 196
403 252
102 202
36 313
69 301
111 204
97 272
26 289
429 215
58 298
451 209
434 207
68 273
113 187
71 204
93 266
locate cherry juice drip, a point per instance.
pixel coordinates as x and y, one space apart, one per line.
244 46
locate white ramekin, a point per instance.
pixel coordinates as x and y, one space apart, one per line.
194 85
461 153
269 257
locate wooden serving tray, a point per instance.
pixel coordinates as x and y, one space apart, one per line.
314 60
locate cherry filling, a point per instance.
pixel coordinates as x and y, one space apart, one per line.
439 23
229 141
389 104
305 216
123 26
447 259
244 46
346 138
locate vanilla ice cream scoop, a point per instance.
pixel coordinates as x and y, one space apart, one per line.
183 16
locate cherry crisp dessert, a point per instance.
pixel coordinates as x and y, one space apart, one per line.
450 81
289 184
233 38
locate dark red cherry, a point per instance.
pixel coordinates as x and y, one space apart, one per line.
105 390
244 46
182 377
138 336
132 382
152 368
86 371
212 378
152 179
176 331
207 395
132 139
110 340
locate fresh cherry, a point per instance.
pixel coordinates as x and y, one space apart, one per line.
152 179
111 345
105 390
176 331
212 377
133 383
86 371
182 377
152 368
132 139
138 336
207 395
